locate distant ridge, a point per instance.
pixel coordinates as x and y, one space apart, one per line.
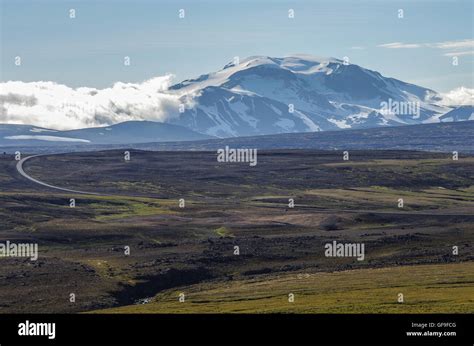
439 137
121 133
445 137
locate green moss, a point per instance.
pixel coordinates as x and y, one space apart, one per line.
445 288
224 232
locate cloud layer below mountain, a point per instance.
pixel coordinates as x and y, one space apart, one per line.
57 106
459 97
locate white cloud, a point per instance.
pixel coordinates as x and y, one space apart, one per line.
459 96
451 45
460 44
57 106
469 52
398 45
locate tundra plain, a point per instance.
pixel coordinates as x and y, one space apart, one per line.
191 249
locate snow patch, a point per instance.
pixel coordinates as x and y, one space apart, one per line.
48 138
35 129
285 124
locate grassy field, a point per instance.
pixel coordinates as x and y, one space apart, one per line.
445 288
191 249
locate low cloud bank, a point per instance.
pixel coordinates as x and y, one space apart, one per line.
57 106
459 97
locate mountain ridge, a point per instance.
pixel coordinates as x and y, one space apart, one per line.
437 137
121 133
265 95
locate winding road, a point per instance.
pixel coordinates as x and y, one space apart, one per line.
19 168
315 209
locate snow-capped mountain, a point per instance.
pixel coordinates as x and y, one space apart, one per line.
264 95
461 113
256 96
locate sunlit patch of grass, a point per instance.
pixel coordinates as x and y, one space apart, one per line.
224 232
387 197
25 229
123 207
444 288
398 162
106 269
132 186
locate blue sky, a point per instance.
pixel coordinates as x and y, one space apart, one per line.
89 50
